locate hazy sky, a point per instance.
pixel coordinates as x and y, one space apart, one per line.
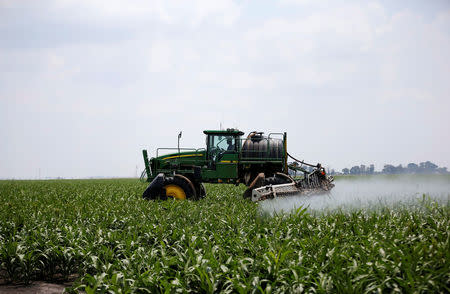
86 84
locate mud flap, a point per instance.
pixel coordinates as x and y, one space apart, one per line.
154 189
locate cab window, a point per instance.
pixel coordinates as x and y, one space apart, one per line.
223 143
219 144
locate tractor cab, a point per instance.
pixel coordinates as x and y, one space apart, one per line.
222 151
221 143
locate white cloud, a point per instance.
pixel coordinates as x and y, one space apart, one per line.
192 13
296 2
98 66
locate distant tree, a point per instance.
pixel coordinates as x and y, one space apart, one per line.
371 169
412 168
355 170
345 171
427 167
388 169
362 169
430 166
332 172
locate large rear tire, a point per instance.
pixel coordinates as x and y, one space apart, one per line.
176 187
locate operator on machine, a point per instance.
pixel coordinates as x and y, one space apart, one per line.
230 144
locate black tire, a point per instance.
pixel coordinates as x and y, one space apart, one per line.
276 180
200 189
182 183
273 181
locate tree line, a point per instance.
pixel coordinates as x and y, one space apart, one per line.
426 167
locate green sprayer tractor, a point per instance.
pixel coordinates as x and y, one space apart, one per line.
260 162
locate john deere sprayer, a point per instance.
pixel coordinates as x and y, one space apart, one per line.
257 161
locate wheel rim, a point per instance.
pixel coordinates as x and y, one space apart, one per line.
175 191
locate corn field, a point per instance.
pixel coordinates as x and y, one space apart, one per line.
102 233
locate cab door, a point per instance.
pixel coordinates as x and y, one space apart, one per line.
222 156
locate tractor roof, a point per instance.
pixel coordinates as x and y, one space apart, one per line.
224 132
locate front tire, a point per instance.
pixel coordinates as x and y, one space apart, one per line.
178 187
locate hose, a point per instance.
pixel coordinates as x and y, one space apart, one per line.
303 162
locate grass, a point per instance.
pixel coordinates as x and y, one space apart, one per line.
103 232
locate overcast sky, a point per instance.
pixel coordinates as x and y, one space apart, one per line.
85 85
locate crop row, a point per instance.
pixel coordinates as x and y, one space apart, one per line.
102 232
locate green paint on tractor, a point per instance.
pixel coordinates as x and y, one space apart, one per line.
228 157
